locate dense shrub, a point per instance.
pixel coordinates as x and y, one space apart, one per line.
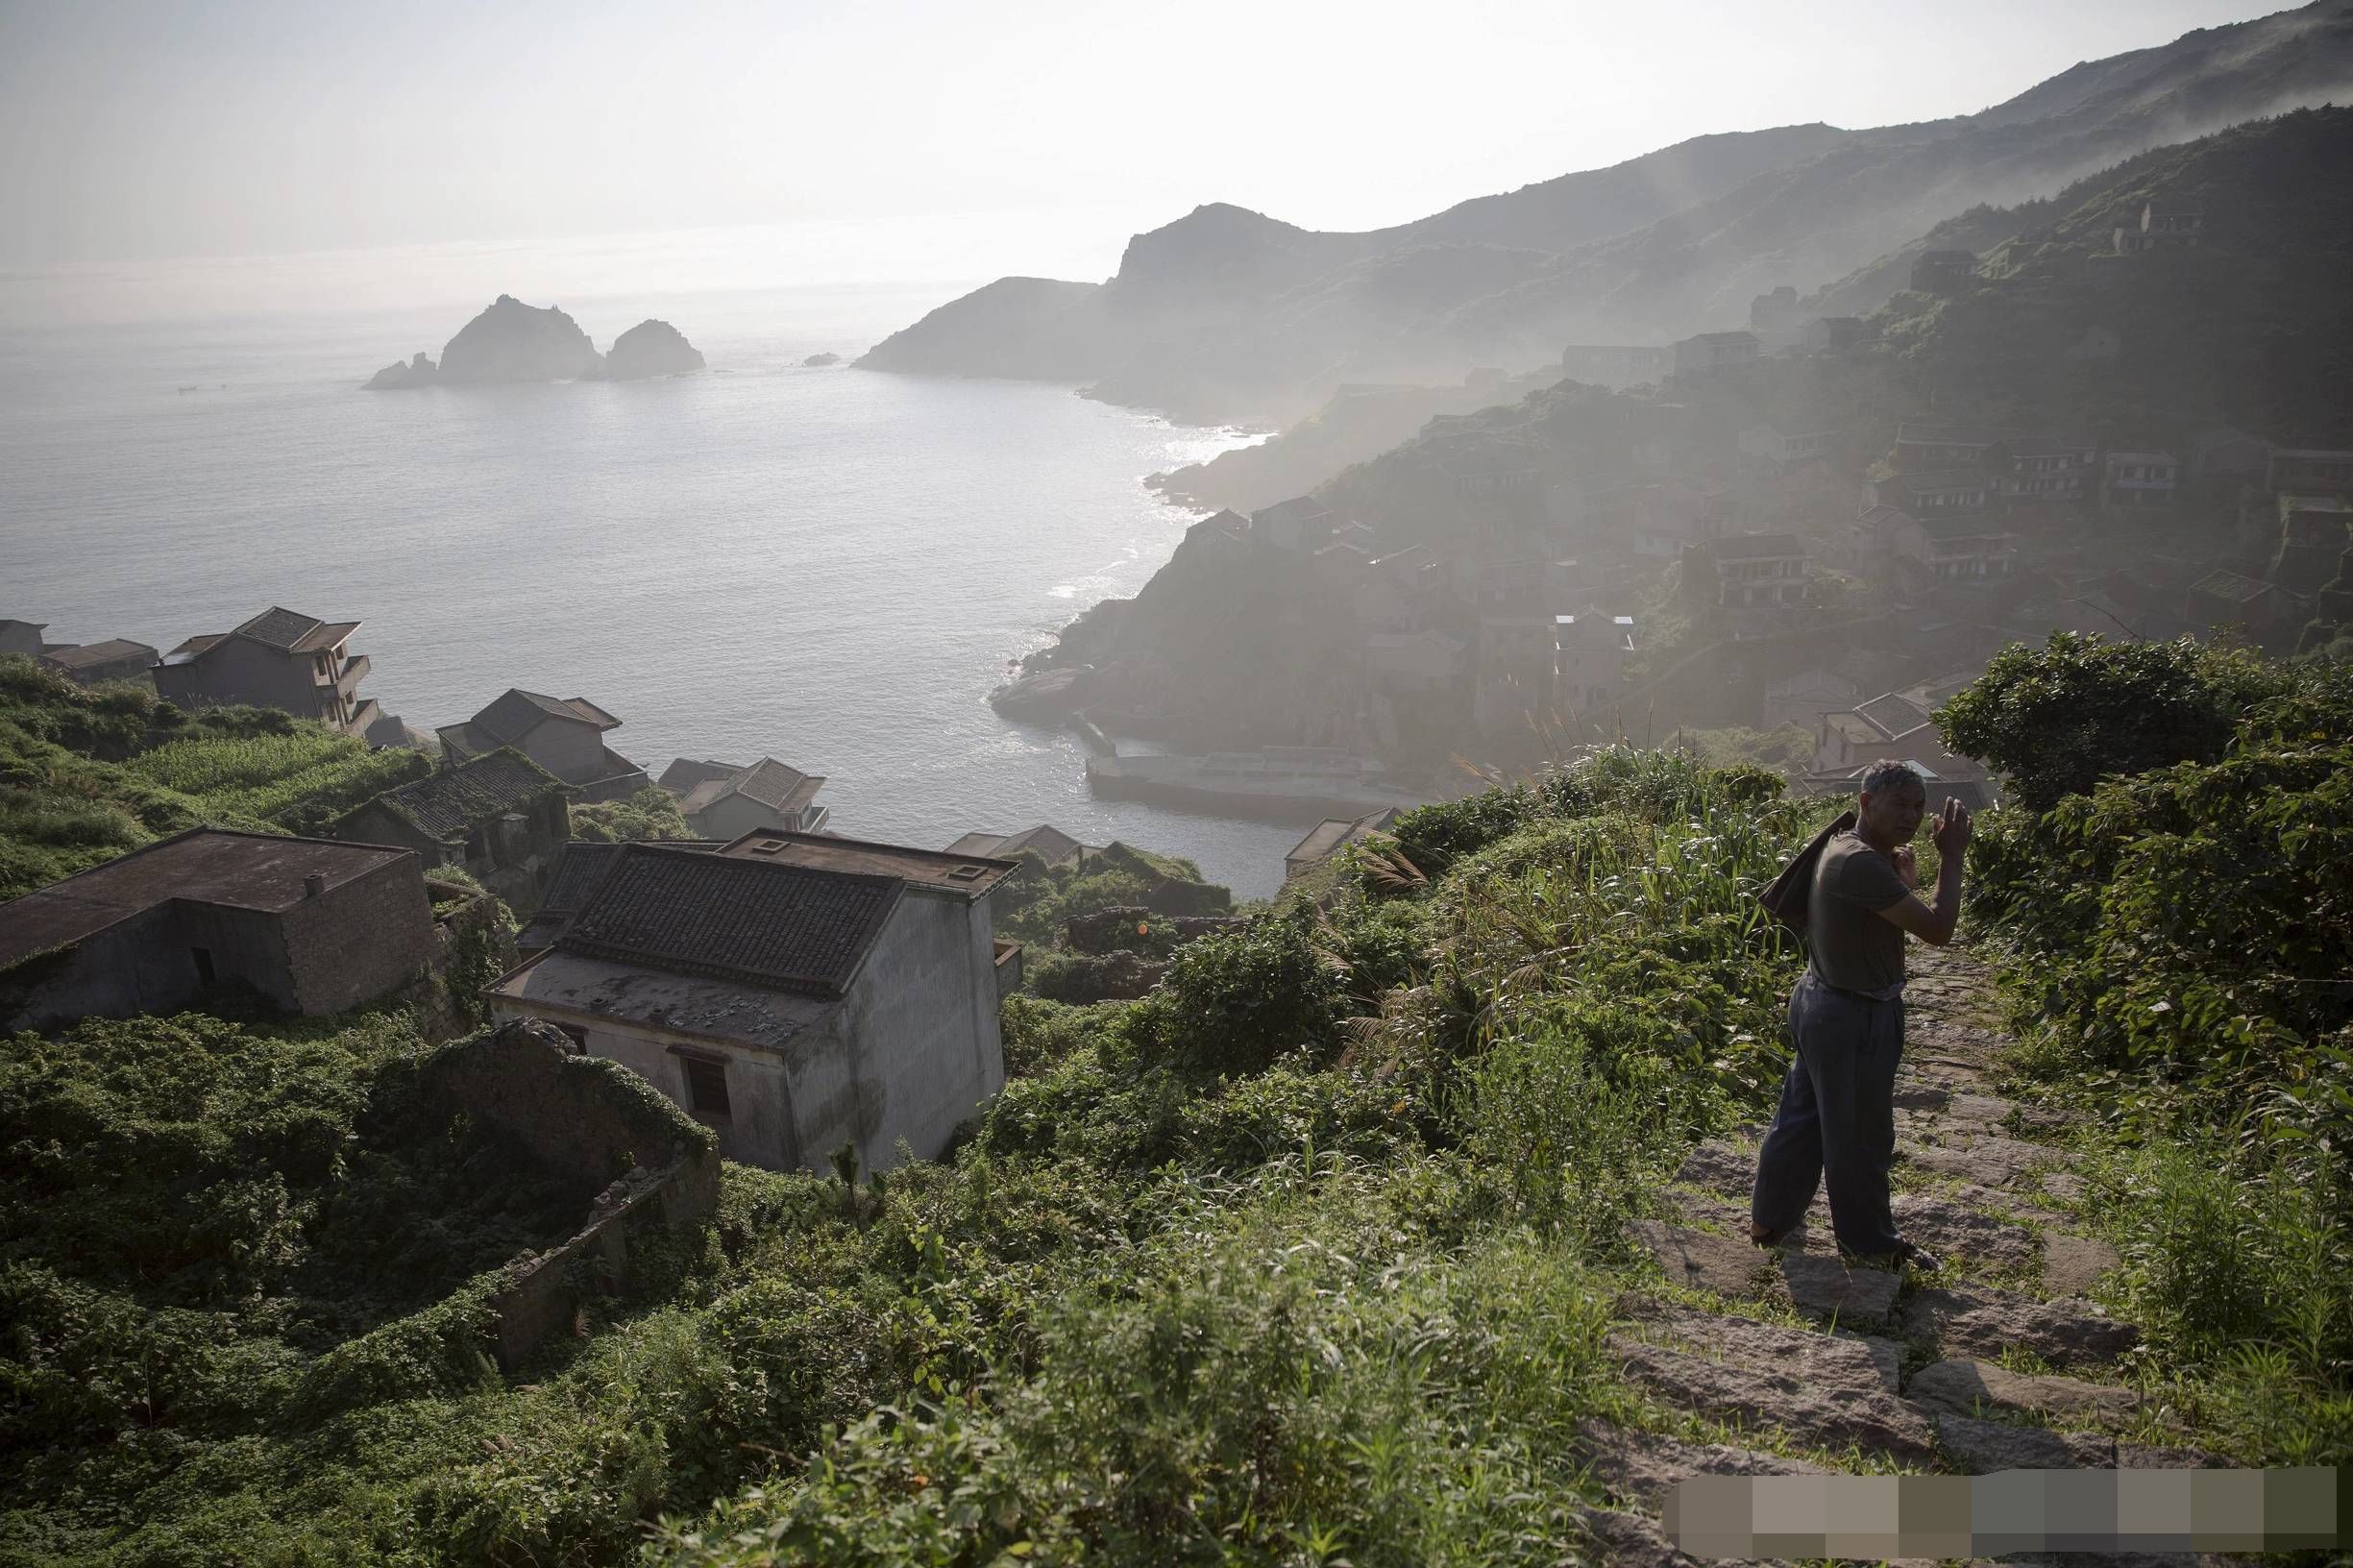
651 813
1237 1001
2058 719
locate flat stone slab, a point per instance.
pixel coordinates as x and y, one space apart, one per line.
2064 1185
1984 1322
2142 1457
1704 1260
1976 1388
1980 1448
1820 1285
1637 1467
1961 1234
1720 1167
1986 1110
1825 1391
2071 1265
1986 1161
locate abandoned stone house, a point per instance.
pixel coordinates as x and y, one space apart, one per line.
93 664
2134 482
2162 226
1961 546
1750 570
2056 470
502 818
314 925
726 800
2310 470
1888 726
1300 526
279 659
794 992
1940 272
22 637
1705 353
1789 448
1923 445
1922 491
564 735
579 865
1329 836
1049 843
1589 652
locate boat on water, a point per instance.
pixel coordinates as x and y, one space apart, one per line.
1279 783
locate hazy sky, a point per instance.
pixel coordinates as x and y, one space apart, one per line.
137 129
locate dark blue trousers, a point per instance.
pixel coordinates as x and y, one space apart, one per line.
1837 1118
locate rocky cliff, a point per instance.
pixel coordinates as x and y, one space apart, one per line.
651 348
511 341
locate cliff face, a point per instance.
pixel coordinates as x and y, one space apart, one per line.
651 348
514 342
1232 314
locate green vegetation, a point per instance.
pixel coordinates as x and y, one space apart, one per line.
650 813
1035 903
87 774
1307 1256
2180 930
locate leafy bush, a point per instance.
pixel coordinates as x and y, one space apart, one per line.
1237 1001
2057 720
651 813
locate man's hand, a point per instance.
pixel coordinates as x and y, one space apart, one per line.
1951 834
1907 865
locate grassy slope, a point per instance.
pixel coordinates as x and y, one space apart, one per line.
1308 1254
87 774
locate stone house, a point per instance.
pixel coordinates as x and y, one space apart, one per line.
1788 449
2135 481
579 865
1705 352
279 659
22 637
1749 571
1888 726
2054 470
2162 226
2312 535
1804 697
725 800
1589 652
1944 546
93 664
2225 599
1300 526
793 993
1049 843
316 926
1830 334
564 735
1925 445
2221 457
1399 592
502 818
1329 836
1932 490
2311 469
1940 272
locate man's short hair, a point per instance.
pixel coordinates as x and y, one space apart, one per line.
1887 774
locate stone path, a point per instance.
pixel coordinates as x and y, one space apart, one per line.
1999 1361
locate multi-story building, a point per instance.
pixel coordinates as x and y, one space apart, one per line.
280 659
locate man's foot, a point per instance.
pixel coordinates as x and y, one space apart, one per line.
1770 1239
1905 1256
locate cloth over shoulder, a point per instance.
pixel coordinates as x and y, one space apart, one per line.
1789 897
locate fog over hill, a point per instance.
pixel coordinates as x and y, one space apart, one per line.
1227 313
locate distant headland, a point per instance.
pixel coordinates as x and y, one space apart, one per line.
511 341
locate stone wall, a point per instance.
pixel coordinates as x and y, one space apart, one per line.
596 1123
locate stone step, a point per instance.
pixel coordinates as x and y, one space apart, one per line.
1984 1162
1976 1320
1948 1225
1634 1469
1825 1391
1817 1285
1980 1448
2071 1265
1981 1388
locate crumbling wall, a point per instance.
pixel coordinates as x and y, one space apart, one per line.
598 1124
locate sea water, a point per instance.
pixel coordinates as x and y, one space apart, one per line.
829 566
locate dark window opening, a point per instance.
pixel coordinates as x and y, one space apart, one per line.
706 1087
203 964
577 1036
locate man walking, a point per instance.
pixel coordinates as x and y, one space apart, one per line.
1837 1116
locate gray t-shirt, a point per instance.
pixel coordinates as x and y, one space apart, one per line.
1852 948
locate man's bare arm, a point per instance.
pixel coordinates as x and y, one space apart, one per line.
1934 925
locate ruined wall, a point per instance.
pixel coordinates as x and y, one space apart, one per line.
361 938
598 1124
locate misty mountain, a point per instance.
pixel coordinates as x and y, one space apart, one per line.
1227 313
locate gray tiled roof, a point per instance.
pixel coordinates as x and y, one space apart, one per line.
279 627
446 803
516 712
105 653
765 924
579 867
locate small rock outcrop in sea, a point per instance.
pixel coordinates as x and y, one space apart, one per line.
515 342
401 373
822 359
651 348
1048 695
